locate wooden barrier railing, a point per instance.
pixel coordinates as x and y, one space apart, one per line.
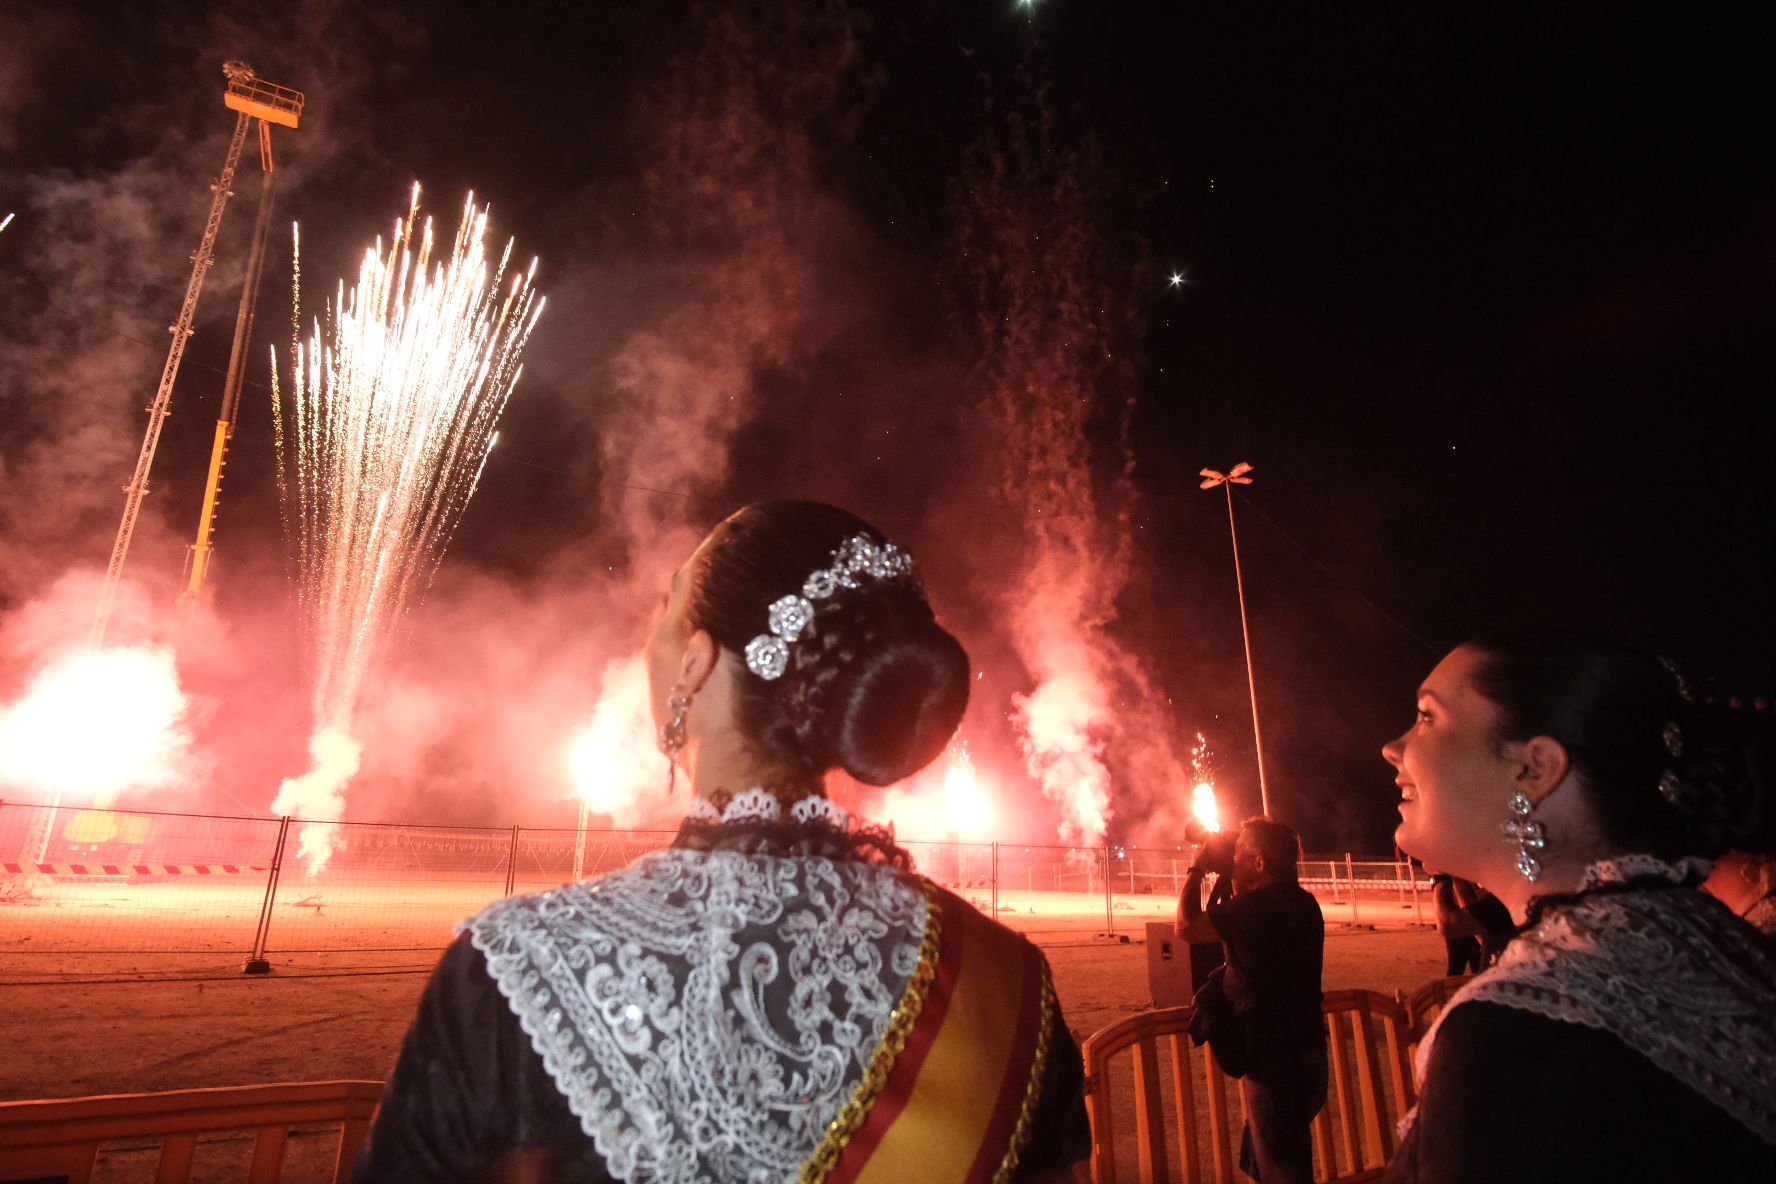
1424 1004
1370 1029
1370 1088
61 1139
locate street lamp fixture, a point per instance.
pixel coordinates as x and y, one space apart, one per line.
1240 474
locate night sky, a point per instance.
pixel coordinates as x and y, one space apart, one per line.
1482 291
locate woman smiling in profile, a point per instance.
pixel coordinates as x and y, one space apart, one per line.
1629 1030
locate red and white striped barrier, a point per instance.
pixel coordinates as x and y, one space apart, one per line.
132 869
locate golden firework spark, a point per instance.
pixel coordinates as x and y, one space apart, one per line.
395 398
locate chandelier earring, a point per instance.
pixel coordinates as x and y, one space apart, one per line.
673 734
1529 835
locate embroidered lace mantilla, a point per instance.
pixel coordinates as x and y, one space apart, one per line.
1668 971
706 1014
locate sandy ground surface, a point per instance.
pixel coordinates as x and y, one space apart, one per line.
112 989
77 1024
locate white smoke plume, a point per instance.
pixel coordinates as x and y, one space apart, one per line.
318 795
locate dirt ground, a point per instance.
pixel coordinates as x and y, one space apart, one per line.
120 1026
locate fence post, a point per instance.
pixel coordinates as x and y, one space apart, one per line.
512 863
995 879
257 963
1417 904
1109 908
1351 875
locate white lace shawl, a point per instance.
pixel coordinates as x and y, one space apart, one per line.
707 1014
1670 972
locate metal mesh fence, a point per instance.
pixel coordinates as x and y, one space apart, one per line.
130 882
550 858
93 881
384 887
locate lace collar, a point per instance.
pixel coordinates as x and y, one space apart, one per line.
1623 870
760 805
706 1014
1669 971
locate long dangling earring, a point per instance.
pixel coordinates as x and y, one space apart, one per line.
672 733
1529 835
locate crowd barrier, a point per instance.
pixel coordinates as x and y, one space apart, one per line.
308 1130
1160 1109
119 882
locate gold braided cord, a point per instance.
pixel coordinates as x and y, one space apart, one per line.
900 1026
1020 1135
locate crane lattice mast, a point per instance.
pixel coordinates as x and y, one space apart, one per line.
203 548
252 98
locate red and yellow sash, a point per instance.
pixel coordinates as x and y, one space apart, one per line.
954 1083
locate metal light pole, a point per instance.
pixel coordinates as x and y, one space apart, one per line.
1240 475
580 840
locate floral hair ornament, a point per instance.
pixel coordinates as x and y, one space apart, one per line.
1671 785
1682 684
855 560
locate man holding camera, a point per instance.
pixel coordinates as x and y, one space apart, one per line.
1261 1015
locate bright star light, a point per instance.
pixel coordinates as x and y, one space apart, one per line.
1177 280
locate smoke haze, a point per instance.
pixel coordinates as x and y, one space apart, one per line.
730 319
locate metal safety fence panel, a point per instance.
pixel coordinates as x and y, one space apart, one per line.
382 886
1032 887
1368 890
129 881
548 858
87 880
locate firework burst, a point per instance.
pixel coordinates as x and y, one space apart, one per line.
1203 805
394 401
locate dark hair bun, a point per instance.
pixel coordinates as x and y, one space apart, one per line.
1728 776
900 706
872 684
880 688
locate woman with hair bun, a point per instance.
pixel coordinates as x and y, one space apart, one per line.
777 996
1628 1032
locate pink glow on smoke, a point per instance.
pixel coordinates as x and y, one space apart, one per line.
1057 721
1053 315
318 796
949 800
745 263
